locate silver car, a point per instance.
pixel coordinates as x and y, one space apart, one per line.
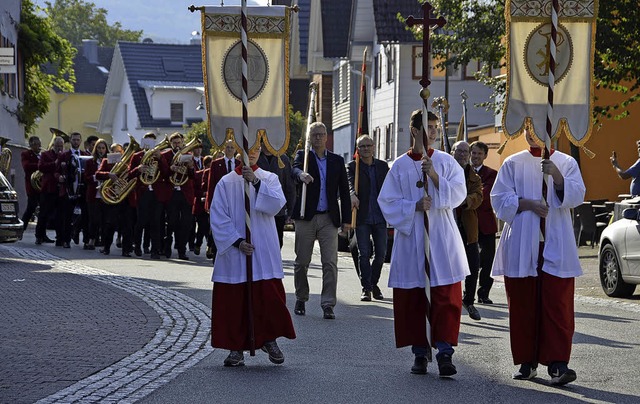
10 225
619 255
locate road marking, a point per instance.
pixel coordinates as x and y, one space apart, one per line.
181 341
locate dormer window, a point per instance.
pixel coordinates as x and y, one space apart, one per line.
177 112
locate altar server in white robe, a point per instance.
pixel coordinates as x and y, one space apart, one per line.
541 312
230 311
403 204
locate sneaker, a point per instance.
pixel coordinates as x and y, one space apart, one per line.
366 296
235 358
275 354
485 300
474 314
299 309
445 366
377 294
327 313
419 366
526 372
561 374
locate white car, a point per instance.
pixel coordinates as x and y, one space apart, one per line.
619 255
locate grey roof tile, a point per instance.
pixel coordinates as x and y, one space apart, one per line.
89 78
336 24
388 27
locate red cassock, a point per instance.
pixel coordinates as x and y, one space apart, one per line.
229 318
29 160
557 323
410 322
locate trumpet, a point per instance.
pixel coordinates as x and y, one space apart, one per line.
149 160
180 177
113 192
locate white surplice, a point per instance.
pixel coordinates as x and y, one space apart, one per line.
397 201
227 218
517 254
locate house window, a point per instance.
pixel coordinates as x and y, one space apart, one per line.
344 82
471 69
8 80
336 86
125 117
388 133
177 112
378 138
390 52
377 71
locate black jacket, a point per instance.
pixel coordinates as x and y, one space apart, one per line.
364 184
270 163
337 186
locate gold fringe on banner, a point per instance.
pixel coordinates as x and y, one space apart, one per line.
588 152
502 146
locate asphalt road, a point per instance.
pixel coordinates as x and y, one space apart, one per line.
350 359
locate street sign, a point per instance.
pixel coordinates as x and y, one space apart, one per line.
7 60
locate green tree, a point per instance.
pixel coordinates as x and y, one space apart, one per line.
76 20
39 44
200 129
475 30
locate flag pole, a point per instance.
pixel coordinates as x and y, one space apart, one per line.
311 117
356 154
245 159
424 94
465 128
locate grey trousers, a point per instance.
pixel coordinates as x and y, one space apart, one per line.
320 228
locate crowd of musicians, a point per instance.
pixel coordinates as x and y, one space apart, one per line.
145 211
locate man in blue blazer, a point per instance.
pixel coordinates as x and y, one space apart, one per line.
326 180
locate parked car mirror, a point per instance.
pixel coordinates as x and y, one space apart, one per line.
630 213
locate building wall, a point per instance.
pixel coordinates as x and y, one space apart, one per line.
70 113
12 90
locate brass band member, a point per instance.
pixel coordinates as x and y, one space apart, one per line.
95 205
49 190
30 159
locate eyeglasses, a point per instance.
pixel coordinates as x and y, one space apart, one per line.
363 146
318 134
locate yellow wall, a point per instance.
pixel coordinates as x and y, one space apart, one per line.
600 178
70 113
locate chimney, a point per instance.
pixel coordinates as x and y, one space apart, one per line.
90 50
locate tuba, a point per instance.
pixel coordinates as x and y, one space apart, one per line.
180 177
5 157
36 177
113 192
151 162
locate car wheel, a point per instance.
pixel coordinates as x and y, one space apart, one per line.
610 275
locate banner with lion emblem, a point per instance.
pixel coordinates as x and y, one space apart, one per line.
267 74
528 41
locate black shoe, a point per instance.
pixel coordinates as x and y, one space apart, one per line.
209 253
88 247
147 250
66 245
39 241
366 296
47 240
327 313
183 257
126 254
154 256
137 251
58 243
299 309
485 300
235 358
76 238
119 242
419 366
526 372
561 374
445 366
275 354
196 250
377 294
167 251
105 251
474 314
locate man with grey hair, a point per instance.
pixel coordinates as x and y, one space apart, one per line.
326 179
370 223
467 220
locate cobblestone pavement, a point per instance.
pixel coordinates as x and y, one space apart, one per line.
72 333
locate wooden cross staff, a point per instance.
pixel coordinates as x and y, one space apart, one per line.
426 22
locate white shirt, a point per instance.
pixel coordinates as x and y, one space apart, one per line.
517 254
227 218
397 200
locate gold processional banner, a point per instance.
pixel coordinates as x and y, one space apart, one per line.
528 42
267 74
